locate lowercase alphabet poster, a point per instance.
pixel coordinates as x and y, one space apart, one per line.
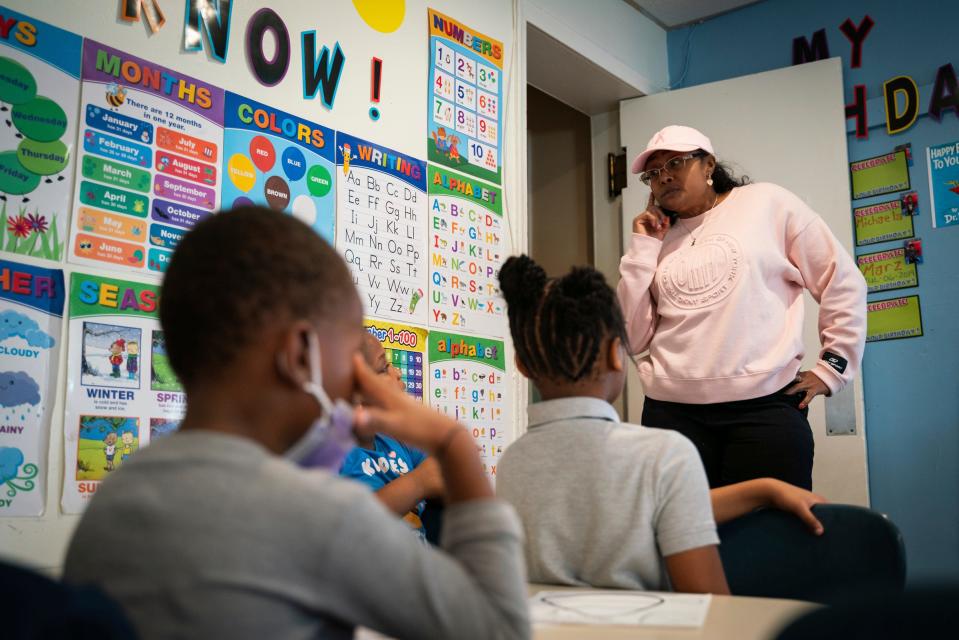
381 227
151 149
39 91
406 348
467 243
465 99
279 160
120 388
31 314
468 383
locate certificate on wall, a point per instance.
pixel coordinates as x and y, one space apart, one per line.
465 99
149 170
121 391
887 173
881 222
893 319
31 314
39 90
887 270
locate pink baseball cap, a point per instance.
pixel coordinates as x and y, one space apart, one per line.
675 137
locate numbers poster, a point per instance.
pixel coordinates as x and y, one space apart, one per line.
276 159
468 382
39 92
31 314
405 347
381 228
465 98
121 390
467 244
151 142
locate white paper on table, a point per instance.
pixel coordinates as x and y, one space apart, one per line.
629 608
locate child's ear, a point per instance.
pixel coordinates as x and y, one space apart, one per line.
520 366
614 355
292 356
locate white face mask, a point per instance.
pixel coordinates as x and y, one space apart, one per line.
330 437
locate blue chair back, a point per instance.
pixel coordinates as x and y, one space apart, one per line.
34 607
770 553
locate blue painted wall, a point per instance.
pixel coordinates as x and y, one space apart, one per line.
911 385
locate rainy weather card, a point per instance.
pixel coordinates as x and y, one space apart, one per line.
120 388
149 170
31 315
276 159
39 93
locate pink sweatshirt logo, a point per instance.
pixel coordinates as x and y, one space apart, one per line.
702 274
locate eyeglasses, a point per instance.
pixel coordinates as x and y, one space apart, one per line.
672 167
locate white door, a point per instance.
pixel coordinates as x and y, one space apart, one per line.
788 127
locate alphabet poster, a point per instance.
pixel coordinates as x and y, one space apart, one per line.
149 168
39 92
405 347
465 97
381 228
31 314
943 161
468 383
279 160
121 390
467 245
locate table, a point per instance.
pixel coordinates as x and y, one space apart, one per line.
729 618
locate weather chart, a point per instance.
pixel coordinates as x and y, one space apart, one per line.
149 171
465 122
279 160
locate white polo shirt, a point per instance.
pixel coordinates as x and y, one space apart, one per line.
603 502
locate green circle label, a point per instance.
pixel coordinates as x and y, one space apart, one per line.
17 84
14 179
43 158
40 119
318 181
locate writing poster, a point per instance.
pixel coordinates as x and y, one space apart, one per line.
881 222
467 243
888 270
468 383
149 168
406 349
465 99
887 173
943 162
31 314
893 319
279 160
120 388
39 93
381 228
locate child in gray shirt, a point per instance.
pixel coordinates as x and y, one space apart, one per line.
215 532
604 503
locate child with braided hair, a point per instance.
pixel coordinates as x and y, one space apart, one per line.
605 503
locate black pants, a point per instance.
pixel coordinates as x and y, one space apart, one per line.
745 439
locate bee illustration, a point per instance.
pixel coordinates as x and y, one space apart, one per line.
116 94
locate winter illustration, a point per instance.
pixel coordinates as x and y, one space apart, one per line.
111 356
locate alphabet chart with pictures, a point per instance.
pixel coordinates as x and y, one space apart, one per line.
151 142
468 383
381 227
467 246
120 386
465 96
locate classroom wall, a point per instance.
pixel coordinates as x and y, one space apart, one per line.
41 542
911 386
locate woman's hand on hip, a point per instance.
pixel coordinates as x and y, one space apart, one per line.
652 222
810 385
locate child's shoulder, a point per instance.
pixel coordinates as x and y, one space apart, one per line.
663 443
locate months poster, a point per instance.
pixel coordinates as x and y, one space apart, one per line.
151 147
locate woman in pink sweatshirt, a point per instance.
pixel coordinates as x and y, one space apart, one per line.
712 285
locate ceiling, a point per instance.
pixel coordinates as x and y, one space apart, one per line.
676 13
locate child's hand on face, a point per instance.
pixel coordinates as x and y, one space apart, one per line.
389 410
